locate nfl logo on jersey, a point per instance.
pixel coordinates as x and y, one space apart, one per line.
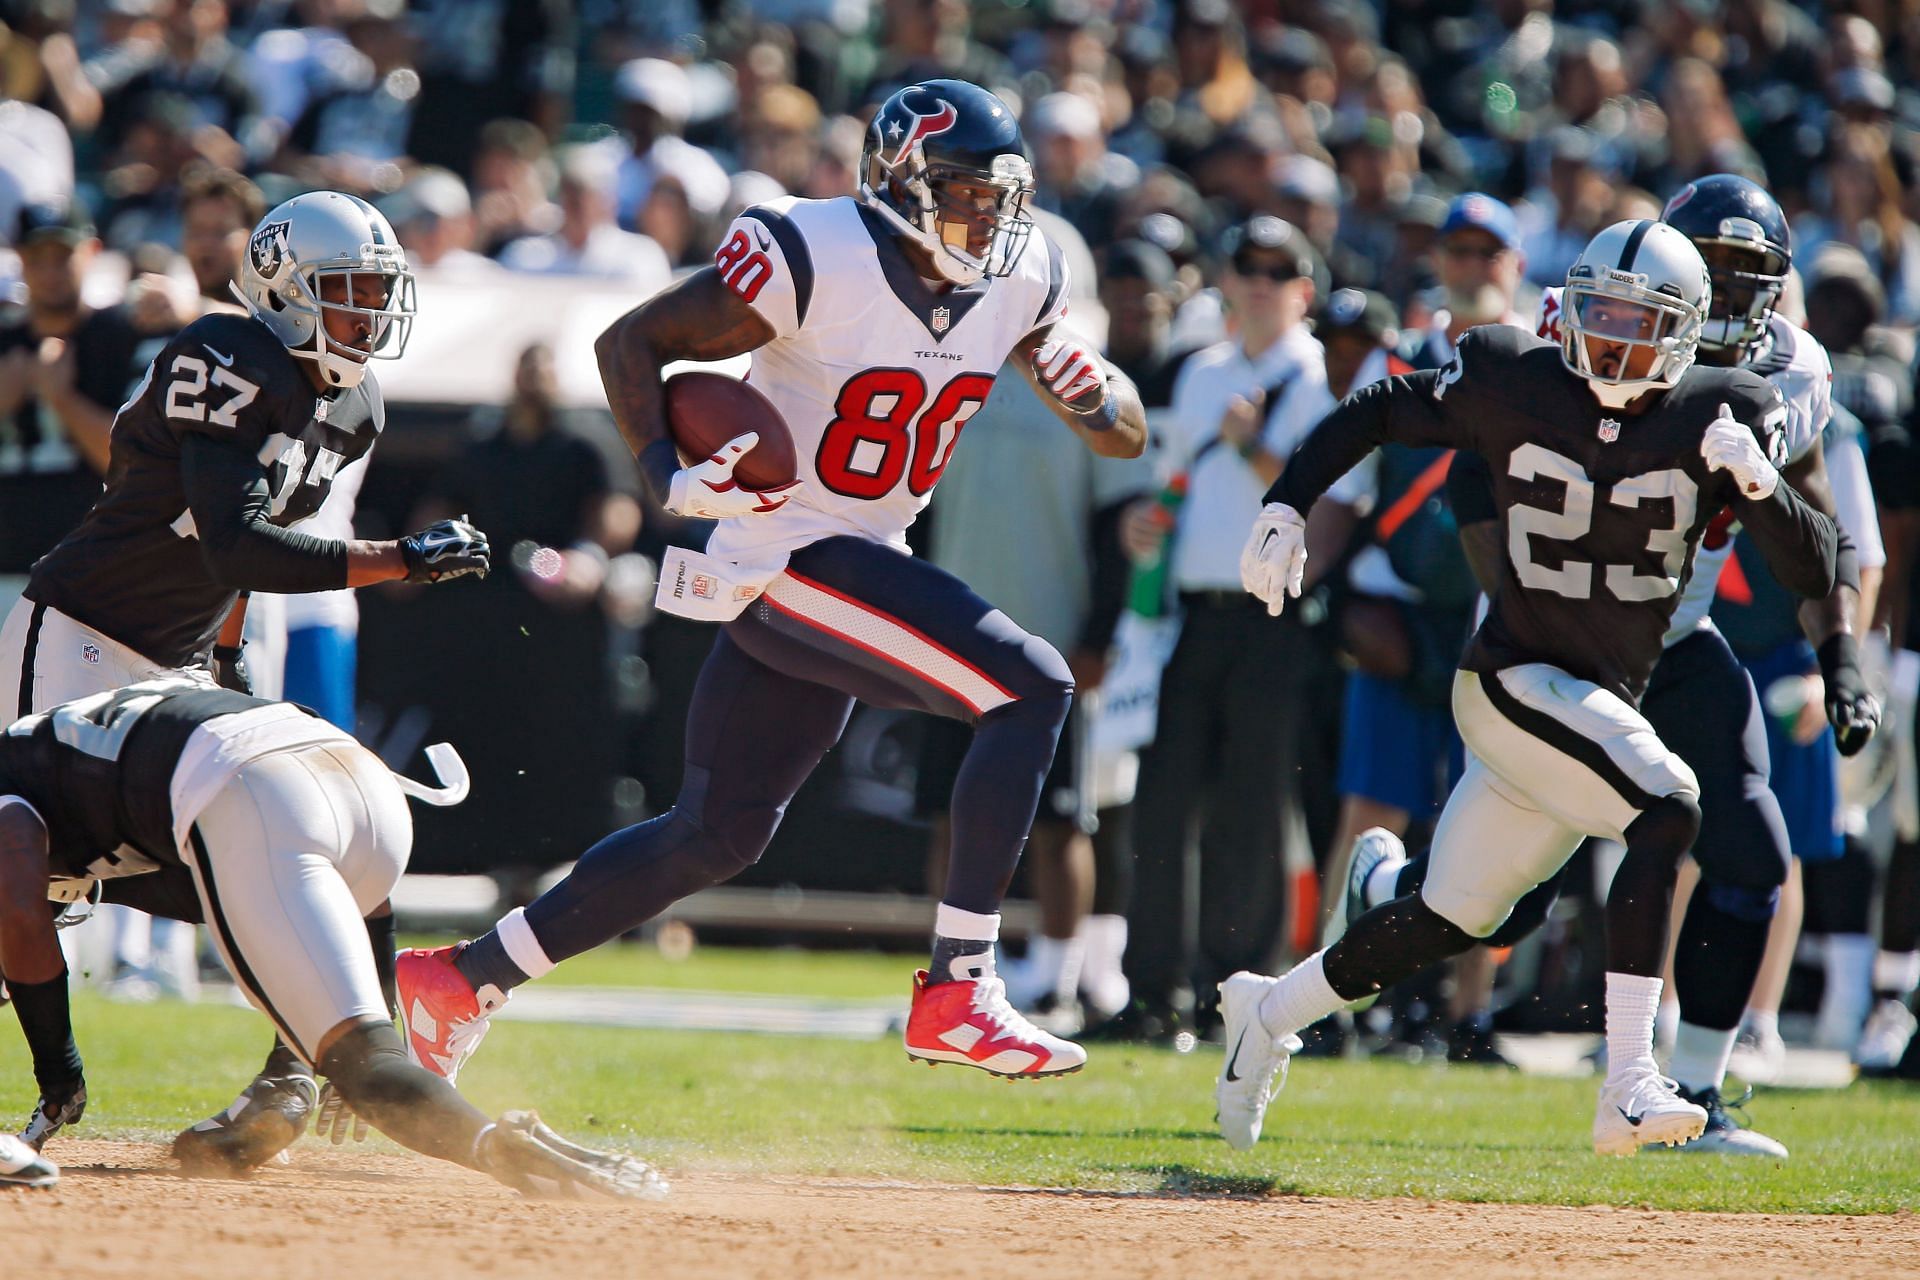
941 318
1609 430
704 587
90 654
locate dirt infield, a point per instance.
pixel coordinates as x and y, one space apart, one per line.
121 1211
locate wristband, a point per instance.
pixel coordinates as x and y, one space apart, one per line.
1838 652
1103 416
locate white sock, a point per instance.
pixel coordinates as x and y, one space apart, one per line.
1632 1004
1849 993
1666 1025
1897 973
1101 976
1302 998
522 947
1383 883
1764 1023
968 926
1700 1056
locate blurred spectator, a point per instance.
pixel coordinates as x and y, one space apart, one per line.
512 174
836 167
588 243
1307 194
657 100
1378 168
433 216
1702 133
929 39
1480 264
356 134
193 63
219 210
36 167
64 368
1574 206
1861 208
484 60
40 64
1075 175
534 477
780 136
289 66
1216 761
1139 289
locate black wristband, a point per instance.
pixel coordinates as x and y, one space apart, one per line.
1838 653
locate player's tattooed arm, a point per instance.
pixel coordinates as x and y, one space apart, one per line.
1096 400
699 317
1830 621
1833 612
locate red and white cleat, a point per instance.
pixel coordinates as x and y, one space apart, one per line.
969 1021
444 1017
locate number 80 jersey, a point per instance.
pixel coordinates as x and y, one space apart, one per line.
875 373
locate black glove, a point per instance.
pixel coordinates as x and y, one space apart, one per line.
1852 709
230 667
450 549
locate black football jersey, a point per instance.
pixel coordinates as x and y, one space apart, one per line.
133 569
100 769
1600 510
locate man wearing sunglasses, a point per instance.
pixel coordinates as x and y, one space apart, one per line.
1219 744
1478 258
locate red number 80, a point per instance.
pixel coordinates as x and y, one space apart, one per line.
744 268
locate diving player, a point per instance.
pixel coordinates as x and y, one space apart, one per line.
290 832
876 324
234 434
1611 455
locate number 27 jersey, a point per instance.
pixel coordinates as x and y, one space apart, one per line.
875 373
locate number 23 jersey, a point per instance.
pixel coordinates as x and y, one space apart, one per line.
133 568
1600 510
875 373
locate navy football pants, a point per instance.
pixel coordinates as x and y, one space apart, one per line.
848 619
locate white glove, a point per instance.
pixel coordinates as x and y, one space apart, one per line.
1275 558
1729 446
1070 370
708 491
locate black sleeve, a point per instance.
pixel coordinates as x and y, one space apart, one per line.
1411 408
1111 570
1800 544
1846 559
1470 489
226 489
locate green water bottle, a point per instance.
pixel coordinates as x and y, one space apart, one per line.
1147 587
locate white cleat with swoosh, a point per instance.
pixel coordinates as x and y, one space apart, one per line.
1255 1067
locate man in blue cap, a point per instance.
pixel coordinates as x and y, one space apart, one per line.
1481 266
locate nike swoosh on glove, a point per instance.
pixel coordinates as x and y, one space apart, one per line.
708 491
1275 558
1729 446
450 549
1070 370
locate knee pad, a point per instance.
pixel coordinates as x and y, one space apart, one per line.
1475 919
1753 906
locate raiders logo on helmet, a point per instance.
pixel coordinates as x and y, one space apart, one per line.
269 248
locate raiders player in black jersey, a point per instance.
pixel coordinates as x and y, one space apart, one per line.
235 434
1610 456
289 830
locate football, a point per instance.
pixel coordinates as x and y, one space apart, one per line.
705 410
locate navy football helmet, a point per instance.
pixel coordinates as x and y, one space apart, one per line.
932 138
1742 233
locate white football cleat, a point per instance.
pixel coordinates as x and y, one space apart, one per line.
1255 1067
1886 1035
22 1166
1640 1106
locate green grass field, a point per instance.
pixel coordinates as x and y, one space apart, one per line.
1135 1120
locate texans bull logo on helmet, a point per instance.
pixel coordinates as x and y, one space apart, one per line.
925 125
269 248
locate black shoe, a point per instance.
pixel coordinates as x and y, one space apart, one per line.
1138 1023
50 1117
1724 1135
1470 1043
268 1117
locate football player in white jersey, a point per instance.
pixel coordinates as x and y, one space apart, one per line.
876 323
1700 700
